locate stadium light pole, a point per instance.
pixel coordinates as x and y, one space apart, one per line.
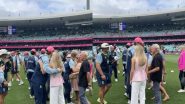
88 4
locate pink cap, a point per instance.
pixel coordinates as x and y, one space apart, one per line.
128 44
26 53
33 50
50 49
43 51
138 40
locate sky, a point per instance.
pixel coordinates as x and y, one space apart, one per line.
113 7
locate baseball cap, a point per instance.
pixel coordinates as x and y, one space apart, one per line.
138 40
128 44
33 50
26 53
105 45
43 51
50 49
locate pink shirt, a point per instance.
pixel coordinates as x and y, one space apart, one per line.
181 61
56 80
139 72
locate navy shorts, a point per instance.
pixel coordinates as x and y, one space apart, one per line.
3 89
103 82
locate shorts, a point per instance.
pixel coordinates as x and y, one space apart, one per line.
103 82
14 71
3 90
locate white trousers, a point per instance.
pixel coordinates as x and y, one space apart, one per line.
138 92
57 95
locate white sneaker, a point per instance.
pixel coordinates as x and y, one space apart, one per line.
94 80
181 90
98 100
29 88
10 84
125 87
118 71
31 97
164 82
116 80
129 101
126 94
21 83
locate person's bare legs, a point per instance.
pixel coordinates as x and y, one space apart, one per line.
1 99
166 96
107 87
101 94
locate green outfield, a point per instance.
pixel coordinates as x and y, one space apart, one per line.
20 94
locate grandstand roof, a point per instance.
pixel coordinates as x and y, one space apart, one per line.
145 17
68 19
87 17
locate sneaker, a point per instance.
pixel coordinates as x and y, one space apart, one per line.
181 90
31 97
116 80
94 80
125 87
118 71
123 73
87 90
126 94
29 88
149 88
164 82
129 102
10 84
98 100
21 83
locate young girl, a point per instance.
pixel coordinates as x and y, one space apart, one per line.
138 75
56 80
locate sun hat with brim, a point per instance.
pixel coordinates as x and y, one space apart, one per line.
4 52
105 45
50 49
138 40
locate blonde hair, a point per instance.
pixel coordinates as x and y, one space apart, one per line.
182 47
74 53
140 55
56 60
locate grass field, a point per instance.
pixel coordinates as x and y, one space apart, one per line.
20 94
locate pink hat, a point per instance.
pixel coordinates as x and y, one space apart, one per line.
33 50
50 49
138 40
43 51
128 44
26 53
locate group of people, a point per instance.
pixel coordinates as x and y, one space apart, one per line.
50 78
56 77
